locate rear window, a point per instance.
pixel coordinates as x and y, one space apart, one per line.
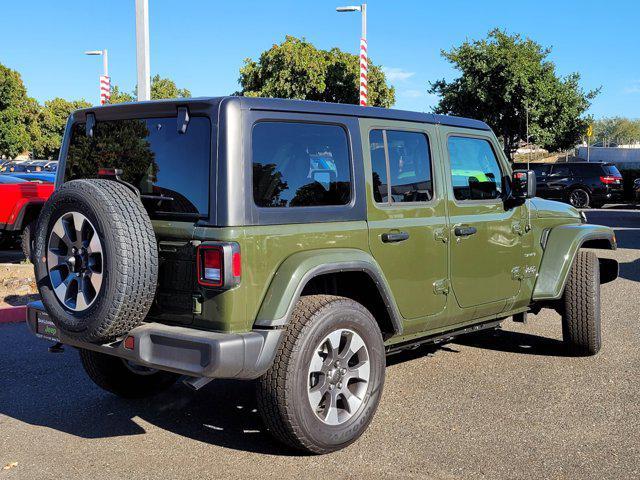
170 169
300 165
611 170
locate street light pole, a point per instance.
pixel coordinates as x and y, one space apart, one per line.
363 55
105 81
142 50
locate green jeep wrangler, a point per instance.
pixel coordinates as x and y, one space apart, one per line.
296 243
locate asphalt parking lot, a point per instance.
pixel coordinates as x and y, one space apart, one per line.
507 404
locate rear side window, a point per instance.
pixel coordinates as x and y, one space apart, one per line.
561 171
475 171
300 165
611 170
401 171
171 170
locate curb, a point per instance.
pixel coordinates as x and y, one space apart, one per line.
13 314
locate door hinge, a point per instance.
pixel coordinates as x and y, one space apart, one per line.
441 235
441 287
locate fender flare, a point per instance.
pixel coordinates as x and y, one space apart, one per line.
560 248
298 269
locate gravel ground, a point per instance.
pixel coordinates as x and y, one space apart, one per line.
507 404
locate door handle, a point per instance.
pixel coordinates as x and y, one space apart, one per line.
464 231
395 237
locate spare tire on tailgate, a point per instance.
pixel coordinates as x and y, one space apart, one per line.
96 259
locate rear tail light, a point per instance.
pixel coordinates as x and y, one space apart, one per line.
219 265
610 180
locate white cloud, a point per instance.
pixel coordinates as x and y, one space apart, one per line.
397 74
412 93
633 88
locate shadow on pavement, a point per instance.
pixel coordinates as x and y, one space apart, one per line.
52 390
514 342
20 300
630 270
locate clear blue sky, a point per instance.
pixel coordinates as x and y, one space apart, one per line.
201 44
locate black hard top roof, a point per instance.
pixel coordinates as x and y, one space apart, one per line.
299 106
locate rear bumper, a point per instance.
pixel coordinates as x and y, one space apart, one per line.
183 350
609 195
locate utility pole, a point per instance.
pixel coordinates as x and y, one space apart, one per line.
105 80
142 50
363 55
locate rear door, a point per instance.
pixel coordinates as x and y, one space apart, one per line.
560 177
407 215
486 246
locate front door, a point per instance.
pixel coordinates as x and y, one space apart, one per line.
486 246
407 215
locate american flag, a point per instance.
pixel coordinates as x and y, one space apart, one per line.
105 89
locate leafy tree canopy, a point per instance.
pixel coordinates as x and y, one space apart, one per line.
616 130
161 88
502 77
51 121
297 69
17 114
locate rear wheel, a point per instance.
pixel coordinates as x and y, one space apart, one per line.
579 198
125 379
581 329
326 381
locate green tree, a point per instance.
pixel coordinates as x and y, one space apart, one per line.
18 114
616 130
51 122
161 88
505 76
297 69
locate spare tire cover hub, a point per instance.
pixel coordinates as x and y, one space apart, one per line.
74 261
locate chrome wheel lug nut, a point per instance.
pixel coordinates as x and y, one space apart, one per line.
331 385
339 385
343 371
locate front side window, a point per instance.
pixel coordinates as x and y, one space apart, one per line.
475 172
402 172
300 165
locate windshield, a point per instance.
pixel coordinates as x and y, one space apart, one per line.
170 169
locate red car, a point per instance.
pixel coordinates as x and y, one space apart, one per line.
20 205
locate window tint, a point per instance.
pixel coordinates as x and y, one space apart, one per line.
561 171
300 165
170 169
475 172
611 170
409 167
378 166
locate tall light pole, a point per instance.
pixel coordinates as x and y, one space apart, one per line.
105 81
364 65
142 50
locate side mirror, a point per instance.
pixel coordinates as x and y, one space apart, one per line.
523 184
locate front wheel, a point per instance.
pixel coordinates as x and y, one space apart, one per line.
327 378
123 378
581 329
